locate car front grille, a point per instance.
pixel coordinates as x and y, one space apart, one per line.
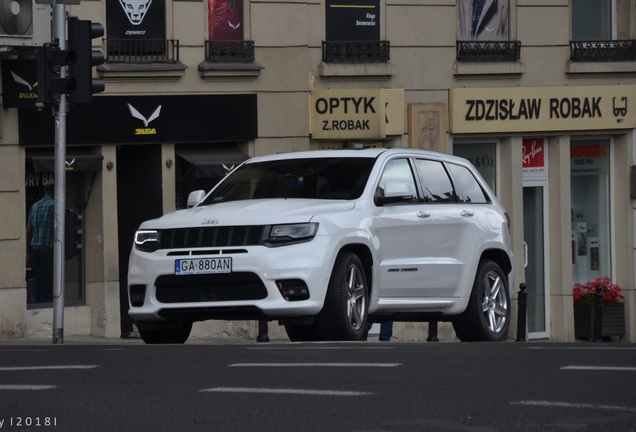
210 288
179 238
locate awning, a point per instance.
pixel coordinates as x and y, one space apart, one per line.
212 160
72 163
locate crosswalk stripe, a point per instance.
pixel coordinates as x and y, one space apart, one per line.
382 365
32 368
601 368
285 391
25 387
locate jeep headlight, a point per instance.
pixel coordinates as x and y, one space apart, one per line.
291 233
147 240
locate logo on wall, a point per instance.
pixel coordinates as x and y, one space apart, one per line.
145 130
135 10
134 20
620 108
19 83
19 80
533 155
224 19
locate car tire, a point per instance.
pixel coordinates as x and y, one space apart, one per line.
169 333
487 316
344 314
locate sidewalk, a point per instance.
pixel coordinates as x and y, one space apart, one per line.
96 340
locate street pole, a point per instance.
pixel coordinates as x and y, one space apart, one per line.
59 34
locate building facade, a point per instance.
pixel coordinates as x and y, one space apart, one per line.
539 94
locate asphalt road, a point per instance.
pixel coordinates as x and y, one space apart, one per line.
364 386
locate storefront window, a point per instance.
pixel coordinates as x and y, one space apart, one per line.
590 209
483 156
40 188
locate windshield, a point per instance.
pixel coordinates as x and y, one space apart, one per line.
316 178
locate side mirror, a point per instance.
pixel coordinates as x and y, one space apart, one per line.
195 198
395 191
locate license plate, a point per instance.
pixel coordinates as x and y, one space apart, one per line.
202 266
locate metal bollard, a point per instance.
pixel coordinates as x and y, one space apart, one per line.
598 315
522 302
432 332
262 332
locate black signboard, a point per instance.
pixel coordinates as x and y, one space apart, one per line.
147 119
19 83
353 20
136 19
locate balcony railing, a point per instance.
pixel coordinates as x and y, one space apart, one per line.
603 51
142 51
229 51
355 51
488 51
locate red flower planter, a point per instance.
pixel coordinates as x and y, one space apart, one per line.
613 320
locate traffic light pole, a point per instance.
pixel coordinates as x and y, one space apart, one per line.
59 34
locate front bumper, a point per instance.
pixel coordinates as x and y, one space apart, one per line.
251 291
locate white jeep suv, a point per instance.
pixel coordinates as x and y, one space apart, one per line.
326 241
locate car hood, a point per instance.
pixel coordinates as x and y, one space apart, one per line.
250 212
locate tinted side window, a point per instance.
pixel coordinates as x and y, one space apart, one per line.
397 170
467 185
435 181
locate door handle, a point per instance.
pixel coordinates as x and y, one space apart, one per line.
468 213
423 214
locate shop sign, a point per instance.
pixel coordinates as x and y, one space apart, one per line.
147 119
534 158
534 109
352 20
588 157
19 83
356 114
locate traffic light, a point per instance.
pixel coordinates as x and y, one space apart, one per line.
80 36
50 83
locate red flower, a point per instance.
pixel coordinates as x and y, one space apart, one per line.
585 293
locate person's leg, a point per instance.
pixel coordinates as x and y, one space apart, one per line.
38 275
386 331
43 268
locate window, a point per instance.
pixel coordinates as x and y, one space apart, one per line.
225 20
592 20
601 31
483 156
328 178
353 32
484 31
226 33
435 181
136 42
137 33
40 197
397 170
590 209
467 186
483 20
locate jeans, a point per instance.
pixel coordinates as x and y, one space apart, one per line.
42 262
386 330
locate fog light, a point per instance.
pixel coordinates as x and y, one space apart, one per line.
137 295
293 289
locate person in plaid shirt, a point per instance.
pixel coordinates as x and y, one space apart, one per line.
39 234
